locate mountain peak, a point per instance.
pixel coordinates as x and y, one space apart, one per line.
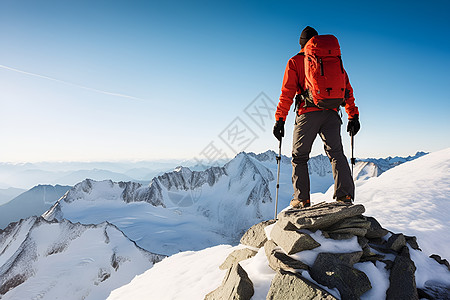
31 252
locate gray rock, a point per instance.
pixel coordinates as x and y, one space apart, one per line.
368 255
435 290
363 242
336 271
412 241
389 264
396 242
375 230
352 222
356 225
402 282
255 235
337 236
346 232
292 241
321 215
236 285
348 259
293 286
440 260
237 256
278 260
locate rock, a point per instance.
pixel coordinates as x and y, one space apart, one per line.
292 241
356 225
412 241
337 236
336 271
372 257
348 259
321 215
376 241
435 290
286 224
402 283
368 255
255 235
236 285
440 260
396 242
375 231
237 256
293 286
278 260
389 264
347 232
353 222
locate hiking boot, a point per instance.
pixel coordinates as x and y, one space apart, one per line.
295 203
347 199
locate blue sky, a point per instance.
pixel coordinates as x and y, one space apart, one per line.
194 69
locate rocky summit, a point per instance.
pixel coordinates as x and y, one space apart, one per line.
283 239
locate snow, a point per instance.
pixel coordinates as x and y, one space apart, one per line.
326 245
199 272
379 278
237 197
412 198
68 261
259 273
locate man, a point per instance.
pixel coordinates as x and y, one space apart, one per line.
310 121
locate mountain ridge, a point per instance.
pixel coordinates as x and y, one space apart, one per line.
32 251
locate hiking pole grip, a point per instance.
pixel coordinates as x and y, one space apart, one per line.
278 178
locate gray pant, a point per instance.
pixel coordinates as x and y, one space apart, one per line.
327 124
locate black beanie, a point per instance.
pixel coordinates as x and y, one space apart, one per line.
306 35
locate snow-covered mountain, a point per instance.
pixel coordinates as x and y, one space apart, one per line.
179 210
33 202
413 199
374 167
63 260
224 200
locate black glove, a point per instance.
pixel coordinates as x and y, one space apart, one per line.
353 125
278 129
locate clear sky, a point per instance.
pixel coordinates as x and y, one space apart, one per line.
141 80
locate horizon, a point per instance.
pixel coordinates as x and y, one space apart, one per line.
181 160
179 81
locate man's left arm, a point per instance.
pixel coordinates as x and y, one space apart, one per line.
351 109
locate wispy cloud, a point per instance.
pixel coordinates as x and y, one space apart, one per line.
72 84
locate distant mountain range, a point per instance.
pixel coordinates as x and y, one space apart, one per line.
217 203
33 202
40 198
374 167
8 194
28 175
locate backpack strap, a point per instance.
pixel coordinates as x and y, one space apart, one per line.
299 97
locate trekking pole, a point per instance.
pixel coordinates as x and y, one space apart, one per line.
352 160
278 179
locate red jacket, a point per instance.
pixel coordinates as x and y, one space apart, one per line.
294 76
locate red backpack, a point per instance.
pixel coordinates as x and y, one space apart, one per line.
325 76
